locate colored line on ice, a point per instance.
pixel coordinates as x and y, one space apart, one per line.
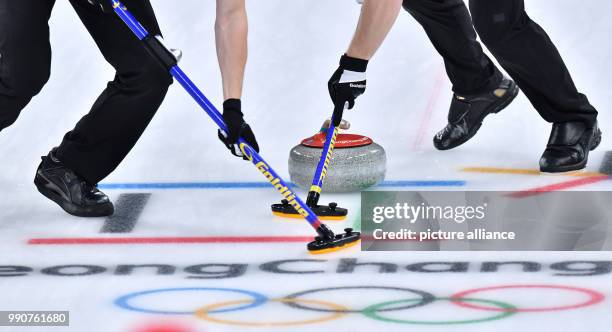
172 240
560 186
258 185
440 183
520 171
188 240
431 106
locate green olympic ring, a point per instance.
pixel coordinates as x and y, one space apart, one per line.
375 312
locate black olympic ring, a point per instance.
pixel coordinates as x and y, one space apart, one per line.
426 298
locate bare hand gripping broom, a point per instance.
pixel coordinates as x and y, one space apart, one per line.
326 240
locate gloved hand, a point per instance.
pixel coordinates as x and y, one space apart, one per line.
347 83
104 5
233 118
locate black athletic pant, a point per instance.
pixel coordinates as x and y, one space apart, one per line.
103 137
449 27
520 45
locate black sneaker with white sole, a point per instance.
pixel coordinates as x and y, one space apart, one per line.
568 147
468 111
70 191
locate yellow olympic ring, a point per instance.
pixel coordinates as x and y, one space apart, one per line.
338 312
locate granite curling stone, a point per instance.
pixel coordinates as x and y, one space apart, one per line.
357 163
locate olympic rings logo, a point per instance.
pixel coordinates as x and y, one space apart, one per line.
414 298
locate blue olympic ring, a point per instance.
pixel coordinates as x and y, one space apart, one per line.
123 302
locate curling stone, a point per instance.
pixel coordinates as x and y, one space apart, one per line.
357 163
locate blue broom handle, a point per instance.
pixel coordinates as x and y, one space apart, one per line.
275 180
325 160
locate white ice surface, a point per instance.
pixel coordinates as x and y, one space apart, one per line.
294 47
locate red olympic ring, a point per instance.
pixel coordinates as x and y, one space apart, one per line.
594 298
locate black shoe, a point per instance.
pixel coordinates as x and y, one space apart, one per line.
467 113
568 147
71 192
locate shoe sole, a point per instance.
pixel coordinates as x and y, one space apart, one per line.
595 141
514 91
43 187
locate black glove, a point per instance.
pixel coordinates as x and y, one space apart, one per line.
236 127
347 83
104 5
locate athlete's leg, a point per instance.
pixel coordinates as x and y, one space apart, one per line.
25 54
526 52
524 49
102 138
449 27
479 86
